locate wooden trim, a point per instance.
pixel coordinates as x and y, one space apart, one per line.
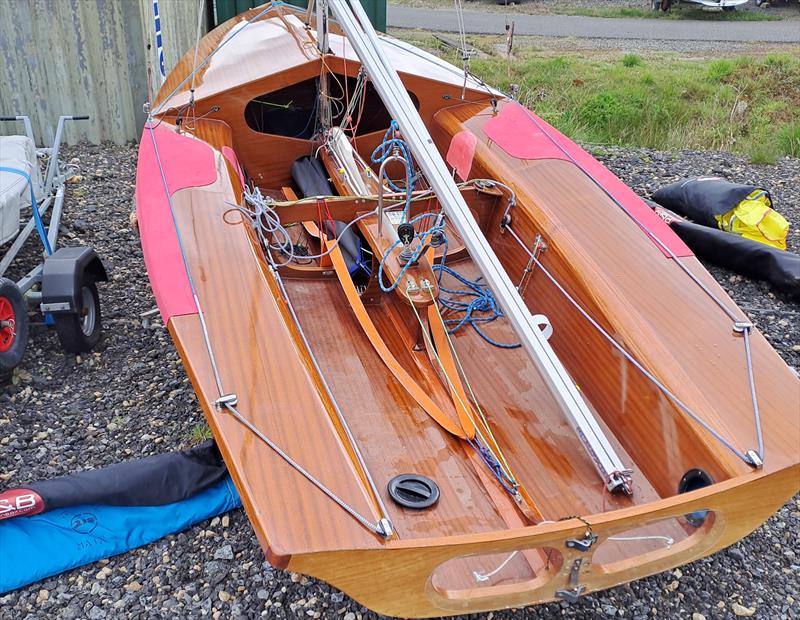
397 580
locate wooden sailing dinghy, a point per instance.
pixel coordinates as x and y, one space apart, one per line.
452 362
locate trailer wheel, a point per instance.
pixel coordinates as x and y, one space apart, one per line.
80 332
13 326
666 5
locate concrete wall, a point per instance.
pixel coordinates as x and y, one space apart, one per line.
85 57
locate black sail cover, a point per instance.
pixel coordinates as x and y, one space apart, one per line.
150 481
311 179
744 256
702 198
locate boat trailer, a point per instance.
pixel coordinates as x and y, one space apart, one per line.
63 284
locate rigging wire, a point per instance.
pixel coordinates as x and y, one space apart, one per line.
200 10
223 43
744 327
463 42
383 527
653 379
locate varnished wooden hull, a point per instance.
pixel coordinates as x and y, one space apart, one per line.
198 249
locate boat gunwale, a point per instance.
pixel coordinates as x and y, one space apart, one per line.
420 558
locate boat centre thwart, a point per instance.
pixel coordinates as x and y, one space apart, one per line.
453 363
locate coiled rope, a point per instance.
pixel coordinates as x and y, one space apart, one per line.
482 307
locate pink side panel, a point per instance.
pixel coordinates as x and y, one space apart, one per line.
186 163
515 130
230 155
461 153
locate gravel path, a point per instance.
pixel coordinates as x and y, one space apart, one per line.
131 398
780 8
484 22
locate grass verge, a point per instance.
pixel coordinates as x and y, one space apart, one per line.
749 105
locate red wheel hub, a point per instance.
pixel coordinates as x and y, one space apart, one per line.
8 324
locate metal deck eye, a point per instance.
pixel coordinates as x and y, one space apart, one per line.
414 491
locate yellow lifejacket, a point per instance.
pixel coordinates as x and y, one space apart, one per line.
754 218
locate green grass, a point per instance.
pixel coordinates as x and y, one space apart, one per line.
749 105
789 139
631 60
200 432
674 13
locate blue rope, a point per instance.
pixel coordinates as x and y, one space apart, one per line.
423 236
383 150
37 218
482 302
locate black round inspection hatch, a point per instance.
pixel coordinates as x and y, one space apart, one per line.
694 479
691 481
414 491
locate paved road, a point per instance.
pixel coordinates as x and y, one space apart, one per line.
442 20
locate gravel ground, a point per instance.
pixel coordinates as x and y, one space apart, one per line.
131 398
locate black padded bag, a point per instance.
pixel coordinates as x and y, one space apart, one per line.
312 180
702 198
743 256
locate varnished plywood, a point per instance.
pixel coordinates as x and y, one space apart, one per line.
645 301
599 255
397 581
543 450
260 360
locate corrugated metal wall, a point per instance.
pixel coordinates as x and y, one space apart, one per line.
85 57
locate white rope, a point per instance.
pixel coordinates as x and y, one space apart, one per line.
266 222
667 539
481 577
